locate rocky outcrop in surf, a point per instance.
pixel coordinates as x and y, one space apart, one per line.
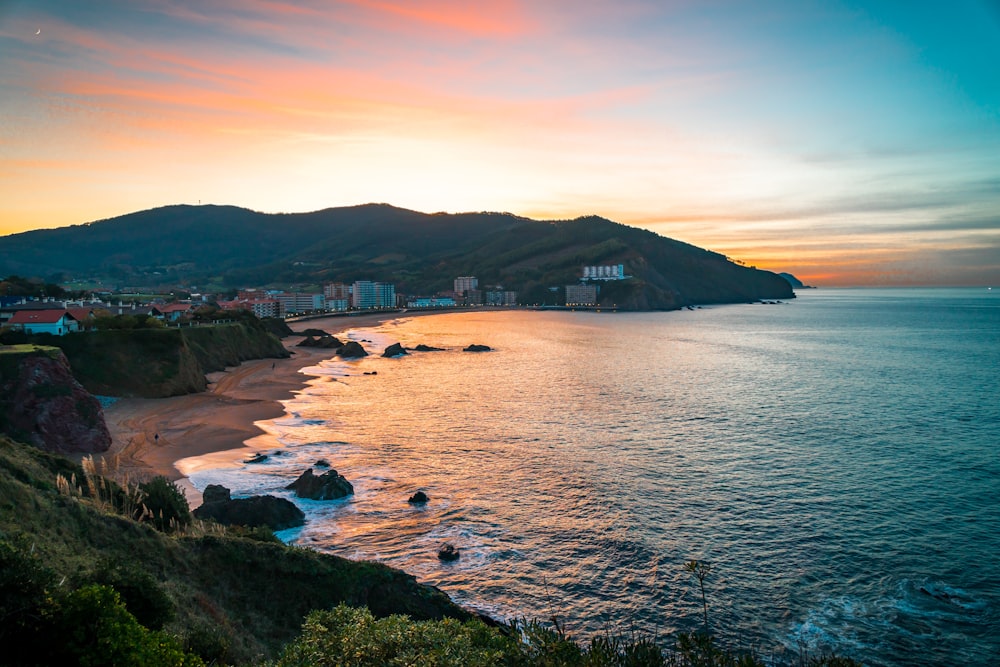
253 512
328 486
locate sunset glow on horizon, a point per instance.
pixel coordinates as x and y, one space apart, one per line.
848 143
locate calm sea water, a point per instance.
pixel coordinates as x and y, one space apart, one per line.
835 458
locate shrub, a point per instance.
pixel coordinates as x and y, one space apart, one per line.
95 628
143 596
24 603
349 636
165 504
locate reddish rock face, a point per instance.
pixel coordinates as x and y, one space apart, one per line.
46 406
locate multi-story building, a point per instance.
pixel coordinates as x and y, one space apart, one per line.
501 298
607 272
465 283
386 295
266 308
300 302
337 291
581 295
338 305
367 295
431 302
260 307
473 297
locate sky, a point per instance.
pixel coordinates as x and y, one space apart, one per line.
848 143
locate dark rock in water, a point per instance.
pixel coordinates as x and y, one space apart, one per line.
319 333
256 458
328 486
943 596
275 513
418 498
394 350
427 348
325 341
478 348
448 552
322 463
215 493
371 372
352 350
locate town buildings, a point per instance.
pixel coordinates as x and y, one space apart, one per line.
581 295
366 294
605 272
465 283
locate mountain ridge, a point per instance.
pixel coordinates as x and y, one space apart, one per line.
228 247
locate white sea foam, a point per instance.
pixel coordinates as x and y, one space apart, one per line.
810 452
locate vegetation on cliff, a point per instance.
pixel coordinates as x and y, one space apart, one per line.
158 362
228 595
95 573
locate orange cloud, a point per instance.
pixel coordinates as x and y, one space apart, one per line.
499 18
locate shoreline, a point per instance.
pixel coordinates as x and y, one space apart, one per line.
151 436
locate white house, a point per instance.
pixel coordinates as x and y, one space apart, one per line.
57 322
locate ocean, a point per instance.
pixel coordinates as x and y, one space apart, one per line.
833 457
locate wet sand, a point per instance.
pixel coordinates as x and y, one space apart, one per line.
151 435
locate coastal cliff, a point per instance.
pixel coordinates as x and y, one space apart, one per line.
43 404
156 363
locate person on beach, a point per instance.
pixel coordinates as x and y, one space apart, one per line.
156 437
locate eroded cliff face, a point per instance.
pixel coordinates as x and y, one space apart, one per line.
41 403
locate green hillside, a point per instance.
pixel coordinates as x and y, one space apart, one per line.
225 246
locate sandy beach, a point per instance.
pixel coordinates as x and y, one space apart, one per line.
150 435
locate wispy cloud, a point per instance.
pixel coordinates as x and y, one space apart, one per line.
775 132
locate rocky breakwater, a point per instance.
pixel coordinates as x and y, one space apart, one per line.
41 403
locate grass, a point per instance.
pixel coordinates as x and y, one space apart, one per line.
236 595
85 576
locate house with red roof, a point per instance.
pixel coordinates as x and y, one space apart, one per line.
55 321
172 312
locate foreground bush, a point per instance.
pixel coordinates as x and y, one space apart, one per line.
165 504
352 637
95 628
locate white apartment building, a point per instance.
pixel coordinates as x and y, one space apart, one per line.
606 272
581 295
300 302
465 283
501 298
367 295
